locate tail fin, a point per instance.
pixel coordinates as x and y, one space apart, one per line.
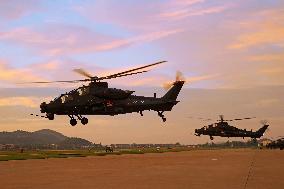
172 94
261 131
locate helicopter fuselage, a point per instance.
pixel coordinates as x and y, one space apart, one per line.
223 129
98 99
100 106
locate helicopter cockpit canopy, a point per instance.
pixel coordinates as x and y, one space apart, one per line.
65 98
83 91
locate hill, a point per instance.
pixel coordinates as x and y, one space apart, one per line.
44 138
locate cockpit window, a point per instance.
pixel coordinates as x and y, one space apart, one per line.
83 91
66 98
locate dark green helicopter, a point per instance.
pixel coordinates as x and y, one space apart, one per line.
97 98
279 143
223 129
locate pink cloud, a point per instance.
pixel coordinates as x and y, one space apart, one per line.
13 75
138 39
55 39
184 13
32 102
263 28
13 9
187 2
148 17
70 39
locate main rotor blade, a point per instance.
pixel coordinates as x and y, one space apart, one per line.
200 118
122 75
45 82
85 80
128 71
249 117
244 118
91 78
83 72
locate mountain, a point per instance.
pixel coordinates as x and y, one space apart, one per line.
74 142
44 137
48 136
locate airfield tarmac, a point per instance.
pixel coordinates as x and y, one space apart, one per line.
214 169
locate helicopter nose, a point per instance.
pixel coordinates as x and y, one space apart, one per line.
43 107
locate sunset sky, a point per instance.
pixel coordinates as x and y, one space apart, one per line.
231 52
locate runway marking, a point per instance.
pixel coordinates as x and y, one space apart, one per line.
250 169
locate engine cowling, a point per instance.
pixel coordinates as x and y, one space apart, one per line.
112 93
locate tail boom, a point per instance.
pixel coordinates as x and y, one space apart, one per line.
173 93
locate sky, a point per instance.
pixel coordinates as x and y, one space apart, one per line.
233 48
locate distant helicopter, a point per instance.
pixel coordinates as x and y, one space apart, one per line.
279 143
223 129
97 98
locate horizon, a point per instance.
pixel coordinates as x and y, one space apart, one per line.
212 142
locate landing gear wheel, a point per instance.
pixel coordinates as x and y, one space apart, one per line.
211 138
84 120
164 119
73 122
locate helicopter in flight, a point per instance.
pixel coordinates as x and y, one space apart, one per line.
223 129
96 98
279 143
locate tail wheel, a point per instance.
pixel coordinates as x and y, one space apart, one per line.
50 116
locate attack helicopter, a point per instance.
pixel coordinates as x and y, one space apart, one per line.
223 129
279 143
96 98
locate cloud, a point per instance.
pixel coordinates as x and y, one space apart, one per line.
267 58
51 65
9 74
14 9
201 78
75 39
187 2
55 38
141 17
31 102
185 32
41 71
137 39
270 35
46 40
263 29
185 13
271 67
272 71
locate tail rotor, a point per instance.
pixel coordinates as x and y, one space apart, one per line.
264 122
179 77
